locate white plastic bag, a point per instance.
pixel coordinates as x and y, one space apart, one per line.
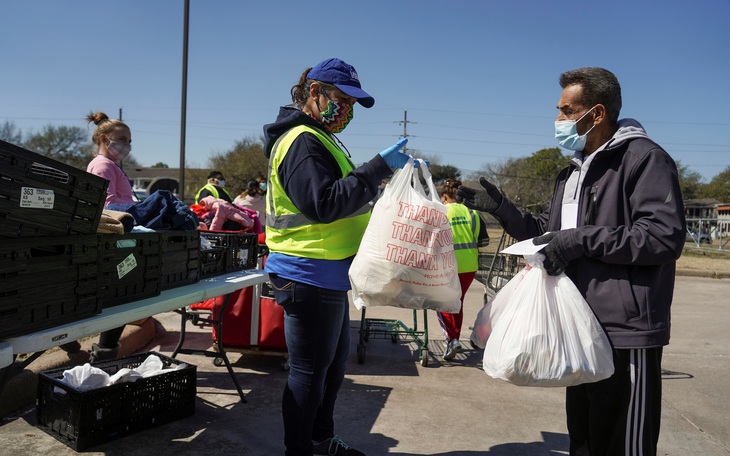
545 334
406 256
491 311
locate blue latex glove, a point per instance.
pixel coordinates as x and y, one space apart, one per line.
394 157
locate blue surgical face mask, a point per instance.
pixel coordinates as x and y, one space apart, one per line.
566 132
262 186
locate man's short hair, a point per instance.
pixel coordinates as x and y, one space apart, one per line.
215 175
600 86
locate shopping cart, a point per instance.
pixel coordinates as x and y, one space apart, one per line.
496 269
395 330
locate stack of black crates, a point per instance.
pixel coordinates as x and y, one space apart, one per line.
49 254
55 268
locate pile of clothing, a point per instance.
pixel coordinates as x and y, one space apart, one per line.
216 214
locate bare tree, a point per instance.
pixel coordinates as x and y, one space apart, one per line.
10 133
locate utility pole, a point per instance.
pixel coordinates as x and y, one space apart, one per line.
184 103
405 123
121 164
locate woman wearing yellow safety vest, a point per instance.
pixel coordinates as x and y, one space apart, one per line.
317 208
469 234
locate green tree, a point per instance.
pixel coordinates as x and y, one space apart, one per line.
159 165
439 171
69 145
245 161
718 188
529 181
690 182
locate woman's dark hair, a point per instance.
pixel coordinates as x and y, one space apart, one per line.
253 189
300 91
450 186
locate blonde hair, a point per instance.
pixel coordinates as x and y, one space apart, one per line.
104 125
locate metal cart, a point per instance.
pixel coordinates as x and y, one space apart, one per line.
496 269
381 328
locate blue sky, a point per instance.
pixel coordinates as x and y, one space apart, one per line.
478 79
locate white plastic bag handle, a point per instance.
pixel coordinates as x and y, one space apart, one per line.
432 194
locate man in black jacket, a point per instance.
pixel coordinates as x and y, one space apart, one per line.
616 227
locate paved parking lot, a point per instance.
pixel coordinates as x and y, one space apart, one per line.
391 404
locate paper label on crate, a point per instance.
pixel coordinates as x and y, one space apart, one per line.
36 198
127 265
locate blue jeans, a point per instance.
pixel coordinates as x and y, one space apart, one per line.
317 329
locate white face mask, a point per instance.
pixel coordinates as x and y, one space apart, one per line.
566 132
222 183
119 151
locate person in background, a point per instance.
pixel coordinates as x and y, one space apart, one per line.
616 227
215 187
263 183
113 140
317 210
470 233
252 198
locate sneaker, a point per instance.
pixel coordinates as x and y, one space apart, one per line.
453 346
335 447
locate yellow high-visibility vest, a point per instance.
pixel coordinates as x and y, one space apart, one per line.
465 225
291 232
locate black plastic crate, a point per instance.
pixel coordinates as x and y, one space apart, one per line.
213 260
47 281
230 252
83 419
130 267
40 196
180 258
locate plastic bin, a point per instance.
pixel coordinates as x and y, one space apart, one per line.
82 419
47 281
179 258
40 196
130 267
227 252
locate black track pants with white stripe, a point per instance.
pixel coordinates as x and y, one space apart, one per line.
619 416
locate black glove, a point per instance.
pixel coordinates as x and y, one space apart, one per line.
487 200
555 259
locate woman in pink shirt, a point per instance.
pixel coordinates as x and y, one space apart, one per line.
114 140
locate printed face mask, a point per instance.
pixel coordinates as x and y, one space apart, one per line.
566 132
119 151
337 116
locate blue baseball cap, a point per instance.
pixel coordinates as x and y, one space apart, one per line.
344 77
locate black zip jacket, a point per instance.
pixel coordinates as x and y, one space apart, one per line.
630 232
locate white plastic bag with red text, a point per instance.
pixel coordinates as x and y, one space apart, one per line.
406 256
546 334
